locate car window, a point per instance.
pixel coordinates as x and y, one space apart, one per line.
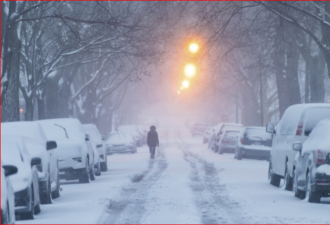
313 116
290 121
253 135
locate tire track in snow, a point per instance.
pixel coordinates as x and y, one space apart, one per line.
129 208
210 196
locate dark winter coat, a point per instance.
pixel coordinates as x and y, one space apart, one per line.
152 138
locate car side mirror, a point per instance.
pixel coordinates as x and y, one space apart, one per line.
103 138
99 146
297 146
270 128
35 161
87 138
9 170
51 145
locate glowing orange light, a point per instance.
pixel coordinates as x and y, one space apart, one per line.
185 84
193 47
190 70
179 92
21 110
181 88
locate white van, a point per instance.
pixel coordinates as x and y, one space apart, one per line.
296 124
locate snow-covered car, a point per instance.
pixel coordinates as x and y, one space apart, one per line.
311 171
25 181
254 142
228 141
75 150
133 130
219 131
296 124
39 146
198 129
119 142
7 194
99 143
207 134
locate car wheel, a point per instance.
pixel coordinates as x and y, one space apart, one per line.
85 178
273 179
92 173
45 198
98 170
287 179
29 215
239 155
104 166
312 196
37 209
5 216
56 193
297 193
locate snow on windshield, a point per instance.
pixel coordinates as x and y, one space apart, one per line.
52 131
25 129
10 153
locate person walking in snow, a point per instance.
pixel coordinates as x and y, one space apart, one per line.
152 141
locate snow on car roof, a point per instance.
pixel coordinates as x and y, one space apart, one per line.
23 128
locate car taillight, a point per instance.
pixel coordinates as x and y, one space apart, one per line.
320 157
242 141
224 141
299 128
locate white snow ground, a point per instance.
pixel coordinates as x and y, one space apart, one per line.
186 183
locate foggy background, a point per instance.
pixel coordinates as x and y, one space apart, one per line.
113 63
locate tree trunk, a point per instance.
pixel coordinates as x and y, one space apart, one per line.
11 66
317 79
29 108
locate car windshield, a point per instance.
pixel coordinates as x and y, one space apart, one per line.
313 116
10 153
53 132
117 136
25 129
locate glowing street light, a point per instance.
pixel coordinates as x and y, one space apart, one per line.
185 84
190 70
193 47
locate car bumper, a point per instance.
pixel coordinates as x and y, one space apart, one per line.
23 201
322 183
69 162
125 149
227 148
255 153
71 173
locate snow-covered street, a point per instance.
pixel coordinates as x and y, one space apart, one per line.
185 183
